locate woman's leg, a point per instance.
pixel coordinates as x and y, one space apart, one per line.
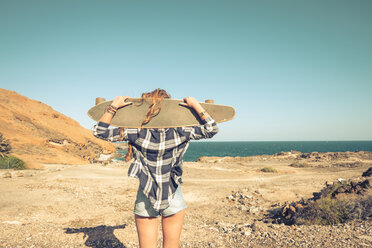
147 229
172 227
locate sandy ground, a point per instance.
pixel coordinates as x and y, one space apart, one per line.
92 206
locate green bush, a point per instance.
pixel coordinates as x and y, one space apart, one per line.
11 162
269 169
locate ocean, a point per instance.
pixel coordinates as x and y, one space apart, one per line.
251 148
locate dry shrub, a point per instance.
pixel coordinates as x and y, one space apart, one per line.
269 169
299 164
336 203
331 211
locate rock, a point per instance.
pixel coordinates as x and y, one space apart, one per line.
211 245
226 227
284 211
242 207
248 196
19 174
298 206
28 174
317 195
292 209
12 222
259 226
367 173
366 184
254 210
288 216
104 157
7 175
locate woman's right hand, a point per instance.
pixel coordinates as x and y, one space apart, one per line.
120 101
193 103
190 102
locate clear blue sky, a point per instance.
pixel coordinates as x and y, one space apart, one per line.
294 70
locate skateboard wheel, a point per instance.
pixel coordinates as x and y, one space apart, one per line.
209 101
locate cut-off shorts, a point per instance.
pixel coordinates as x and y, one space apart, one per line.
143 207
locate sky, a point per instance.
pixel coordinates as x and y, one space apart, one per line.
293 70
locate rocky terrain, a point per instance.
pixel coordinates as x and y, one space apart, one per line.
38 134
231 203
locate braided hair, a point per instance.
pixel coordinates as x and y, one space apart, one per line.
154 98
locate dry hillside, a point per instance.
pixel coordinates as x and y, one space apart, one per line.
39 134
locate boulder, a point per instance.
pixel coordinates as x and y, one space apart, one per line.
7 175
368 172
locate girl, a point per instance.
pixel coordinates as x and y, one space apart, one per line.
158 157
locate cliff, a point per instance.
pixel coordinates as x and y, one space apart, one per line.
39 134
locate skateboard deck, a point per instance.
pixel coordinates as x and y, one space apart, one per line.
172 114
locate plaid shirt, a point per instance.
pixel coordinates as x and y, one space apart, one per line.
158 155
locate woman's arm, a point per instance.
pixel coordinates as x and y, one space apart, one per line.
117 103
101 129
208 130
193 103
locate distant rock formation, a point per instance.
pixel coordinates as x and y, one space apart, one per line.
295 155
39 134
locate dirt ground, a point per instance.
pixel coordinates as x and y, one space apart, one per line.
92 206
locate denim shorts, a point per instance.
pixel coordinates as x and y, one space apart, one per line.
143 207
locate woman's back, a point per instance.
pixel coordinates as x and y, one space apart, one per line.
158 157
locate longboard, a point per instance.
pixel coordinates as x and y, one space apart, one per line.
172 114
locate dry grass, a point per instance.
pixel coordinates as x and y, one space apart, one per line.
337 203
331 211
299 164
269 169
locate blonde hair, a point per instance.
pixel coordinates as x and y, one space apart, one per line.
154 98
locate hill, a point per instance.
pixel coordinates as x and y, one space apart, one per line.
39 134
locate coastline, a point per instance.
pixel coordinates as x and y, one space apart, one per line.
255 148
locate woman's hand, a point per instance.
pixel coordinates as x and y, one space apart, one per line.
193 103
190 102
120 101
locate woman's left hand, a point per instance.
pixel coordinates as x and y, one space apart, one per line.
120 101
